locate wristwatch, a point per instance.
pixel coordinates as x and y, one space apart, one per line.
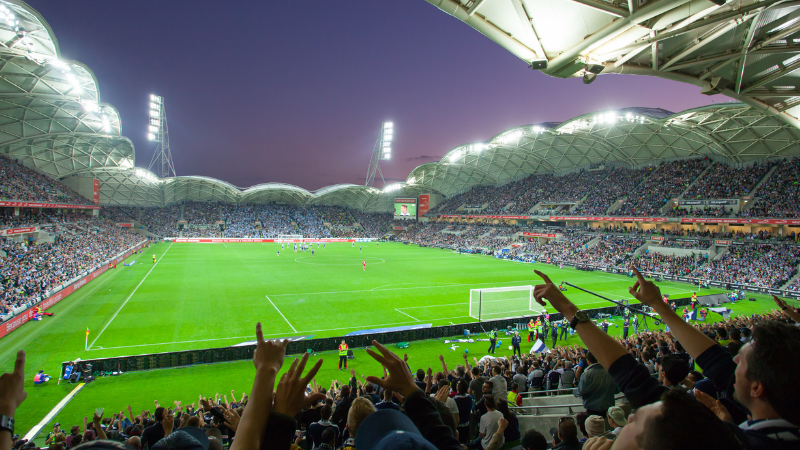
580 316
7 424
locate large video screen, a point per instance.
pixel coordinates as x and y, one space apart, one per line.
405 208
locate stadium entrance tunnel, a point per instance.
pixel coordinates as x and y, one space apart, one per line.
339 260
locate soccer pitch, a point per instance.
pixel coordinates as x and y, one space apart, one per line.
210 295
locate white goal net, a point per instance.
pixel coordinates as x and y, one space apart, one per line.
503 302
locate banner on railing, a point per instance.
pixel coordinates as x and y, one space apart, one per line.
608 219
15 231
546 235
742 221
17 321
46 205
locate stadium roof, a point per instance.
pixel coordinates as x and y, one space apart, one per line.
744 49
51 119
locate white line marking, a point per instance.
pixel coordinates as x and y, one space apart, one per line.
33 432
225 245
279 312
129 297
409 315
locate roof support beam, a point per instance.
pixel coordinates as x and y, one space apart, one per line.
613 30
700 43
486 28
703 19
602 6
782 70
474 8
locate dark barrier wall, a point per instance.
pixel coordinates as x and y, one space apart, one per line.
226 354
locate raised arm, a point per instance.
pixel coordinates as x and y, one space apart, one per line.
788 310
268 359
632 378
444 365
692 339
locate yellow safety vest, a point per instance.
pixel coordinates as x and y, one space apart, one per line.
343 350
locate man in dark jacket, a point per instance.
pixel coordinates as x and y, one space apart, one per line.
516 340
339 417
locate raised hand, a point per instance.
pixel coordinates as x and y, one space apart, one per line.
231 419
12 389
399 378
168 422
442 394
290 395
645 291
714 405
268 355
550 292
598 443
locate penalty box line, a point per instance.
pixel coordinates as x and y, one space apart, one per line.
129 297
279 312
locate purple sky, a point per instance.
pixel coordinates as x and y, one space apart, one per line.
295 92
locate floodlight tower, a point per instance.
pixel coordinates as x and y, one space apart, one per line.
157 131
381 152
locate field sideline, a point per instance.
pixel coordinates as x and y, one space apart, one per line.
211 295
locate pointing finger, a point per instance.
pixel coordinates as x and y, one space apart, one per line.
543 276
19 364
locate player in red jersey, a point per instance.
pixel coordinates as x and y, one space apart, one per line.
364 265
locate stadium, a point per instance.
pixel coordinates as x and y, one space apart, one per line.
135 292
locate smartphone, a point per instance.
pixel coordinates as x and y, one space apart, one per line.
99 411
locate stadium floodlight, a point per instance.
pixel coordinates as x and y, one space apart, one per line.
381 152
157 131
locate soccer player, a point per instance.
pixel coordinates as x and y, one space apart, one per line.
282 244
312 251
343 355
154 258
364 265
279 253
360 247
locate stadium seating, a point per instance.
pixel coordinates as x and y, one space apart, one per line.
20 183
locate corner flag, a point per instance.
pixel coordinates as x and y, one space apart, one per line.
86 345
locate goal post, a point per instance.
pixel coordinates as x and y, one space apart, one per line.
502 302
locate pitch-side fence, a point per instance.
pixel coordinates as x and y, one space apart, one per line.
227 354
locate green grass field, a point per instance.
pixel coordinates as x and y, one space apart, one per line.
211 295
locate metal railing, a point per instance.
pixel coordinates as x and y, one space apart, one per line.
536 409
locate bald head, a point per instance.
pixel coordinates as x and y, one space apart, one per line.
134 442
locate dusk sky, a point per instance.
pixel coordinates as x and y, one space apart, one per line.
296 92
